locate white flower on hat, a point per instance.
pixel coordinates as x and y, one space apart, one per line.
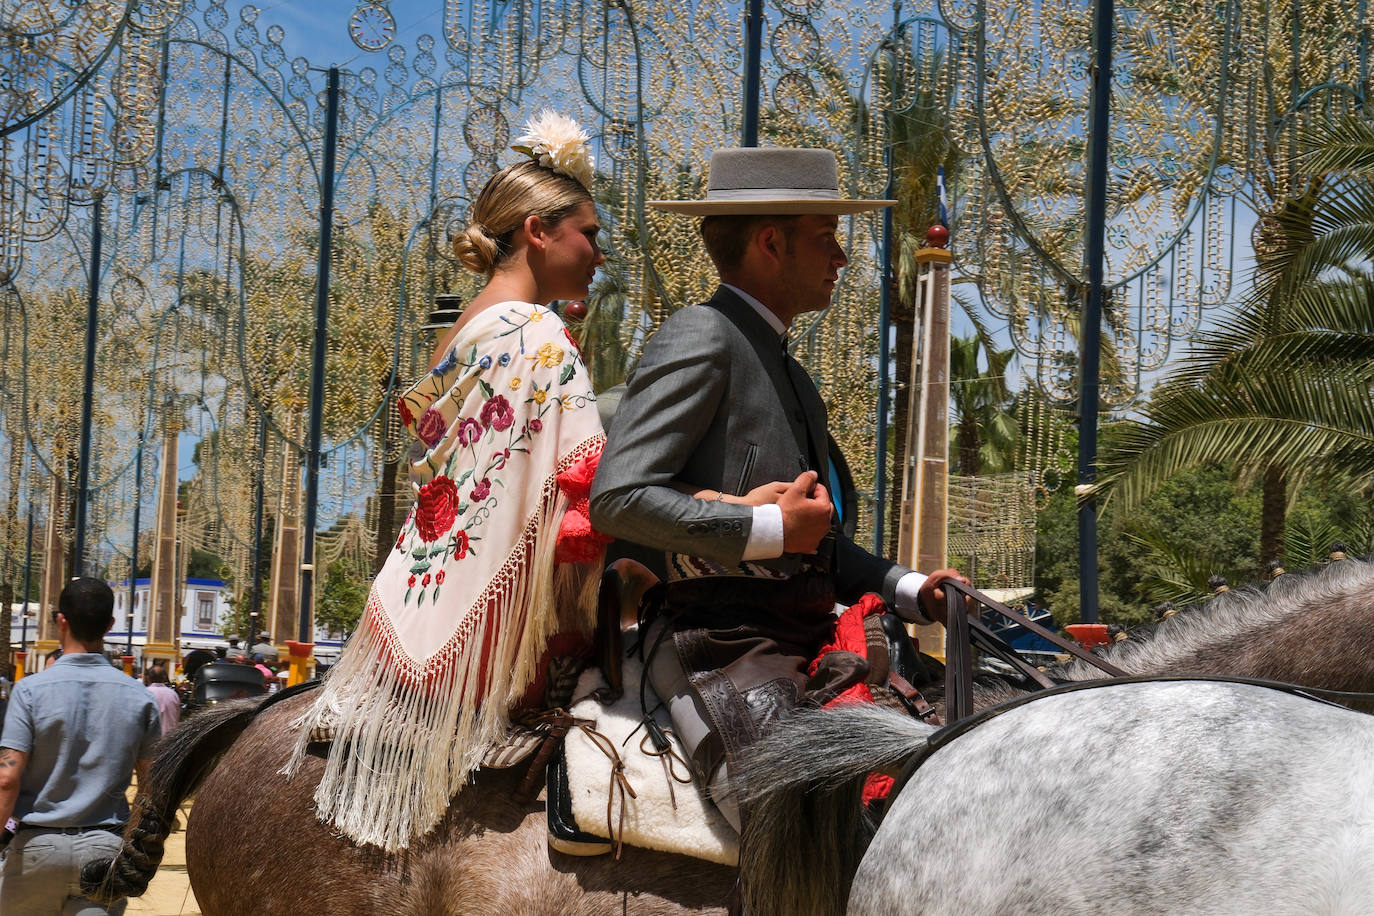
556 142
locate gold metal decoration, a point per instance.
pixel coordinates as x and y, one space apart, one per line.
204 143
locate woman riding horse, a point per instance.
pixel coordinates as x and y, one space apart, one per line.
494 568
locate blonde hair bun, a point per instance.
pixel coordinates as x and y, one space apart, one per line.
476 250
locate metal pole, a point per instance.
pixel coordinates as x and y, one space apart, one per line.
753 57
884 364
83 473
1090 338
133 552
312 472
256 612
28 570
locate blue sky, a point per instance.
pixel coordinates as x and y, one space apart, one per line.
318 31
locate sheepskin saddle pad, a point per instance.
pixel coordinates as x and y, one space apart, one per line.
654 799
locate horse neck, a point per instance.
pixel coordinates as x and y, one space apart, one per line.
1300 629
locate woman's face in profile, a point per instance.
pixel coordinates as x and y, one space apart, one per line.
572 255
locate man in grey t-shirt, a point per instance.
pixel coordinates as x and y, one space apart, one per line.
72 736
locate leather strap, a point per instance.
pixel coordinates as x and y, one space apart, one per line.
958 655
1072 648
610 641
960 626
912 699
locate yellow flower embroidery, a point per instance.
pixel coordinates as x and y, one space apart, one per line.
539 396
549 355
536 316
515 383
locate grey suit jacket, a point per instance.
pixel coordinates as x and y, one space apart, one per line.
716 402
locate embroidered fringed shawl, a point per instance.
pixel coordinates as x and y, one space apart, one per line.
470 595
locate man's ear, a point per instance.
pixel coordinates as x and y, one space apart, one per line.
771 243
110 626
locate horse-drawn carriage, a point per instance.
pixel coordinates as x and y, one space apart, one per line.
221 681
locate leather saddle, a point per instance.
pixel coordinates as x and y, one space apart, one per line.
630 756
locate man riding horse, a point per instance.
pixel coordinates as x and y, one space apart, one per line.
718 404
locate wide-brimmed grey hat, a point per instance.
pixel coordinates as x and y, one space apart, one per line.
783 180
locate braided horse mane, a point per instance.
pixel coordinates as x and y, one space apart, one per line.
1312 628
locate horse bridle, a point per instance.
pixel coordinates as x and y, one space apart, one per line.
964 630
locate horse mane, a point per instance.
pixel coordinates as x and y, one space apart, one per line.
1230 619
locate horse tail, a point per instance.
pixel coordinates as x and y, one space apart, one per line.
185 756
806 827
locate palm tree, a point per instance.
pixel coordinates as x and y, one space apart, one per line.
985 430
1281 390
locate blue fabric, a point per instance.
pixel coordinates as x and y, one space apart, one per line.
83 724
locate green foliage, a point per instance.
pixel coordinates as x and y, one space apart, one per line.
1200 522
985 434
340 604
205 565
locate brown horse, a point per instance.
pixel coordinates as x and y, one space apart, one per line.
253 833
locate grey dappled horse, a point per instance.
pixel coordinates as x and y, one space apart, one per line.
1160 797
251 828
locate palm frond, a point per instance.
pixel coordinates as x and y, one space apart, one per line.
1173 571
1341 146
1303 419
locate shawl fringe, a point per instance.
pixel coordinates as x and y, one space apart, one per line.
407 738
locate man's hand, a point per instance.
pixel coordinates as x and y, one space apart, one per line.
806 511
932 596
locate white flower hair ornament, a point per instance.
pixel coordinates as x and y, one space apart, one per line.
556 142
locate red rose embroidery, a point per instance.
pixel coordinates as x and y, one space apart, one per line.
432 427
406 417
436 508
469 431
410 583
425 580
460 545
536 425
482 490
497 413
572 340
439 577
400 541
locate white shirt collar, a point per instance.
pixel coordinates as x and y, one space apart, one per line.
774 321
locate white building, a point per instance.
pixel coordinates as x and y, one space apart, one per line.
204 608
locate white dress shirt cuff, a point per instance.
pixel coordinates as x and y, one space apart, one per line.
765 534
908 588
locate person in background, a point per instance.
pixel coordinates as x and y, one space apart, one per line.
168 703
265 648
73 735
268 674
